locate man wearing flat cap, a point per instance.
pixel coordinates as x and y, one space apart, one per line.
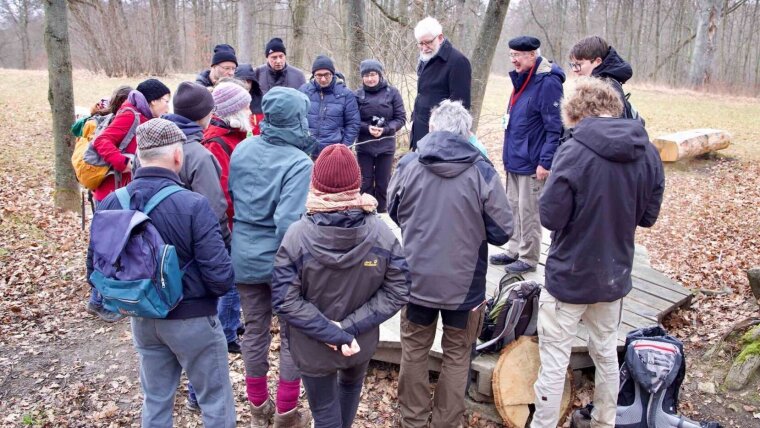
223 64
532 129
277 71
190 337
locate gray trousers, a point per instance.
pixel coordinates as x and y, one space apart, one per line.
165 347
256 302
523 192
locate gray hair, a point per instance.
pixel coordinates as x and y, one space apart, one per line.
241 120
428 26
157 153
451 116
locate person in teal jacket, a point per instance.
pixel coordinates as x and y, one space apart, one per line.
269 181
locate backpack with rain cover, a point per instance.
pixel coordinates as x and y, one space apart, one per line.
510 313
137 273
650 381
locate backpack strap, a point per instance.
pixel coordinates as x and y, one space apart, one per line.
219 140
532 326
124 197
159 197
132 130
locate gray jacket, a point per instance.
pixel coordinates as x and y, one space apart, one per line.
289 77
450 204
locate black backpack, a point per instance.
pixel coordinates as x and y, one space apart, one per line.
512 312
650 381
629 111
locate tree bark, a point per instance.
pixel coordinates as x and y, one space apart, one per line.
687 144
61 98
356 41
245 46
582 14
706 42
300 15
485 47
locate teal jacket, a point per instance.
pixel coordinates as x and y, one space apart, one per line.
268 182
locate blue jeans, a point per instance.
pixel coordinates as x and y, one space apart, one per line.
229 313
333 399
197 345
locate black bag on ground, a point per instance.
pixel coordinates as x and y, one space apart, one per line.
510 313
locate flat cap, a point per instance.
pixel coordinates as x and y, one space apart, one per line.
158 133
524 44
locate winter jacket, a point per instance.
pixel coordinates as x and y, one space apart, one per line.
534 126
269 181
343 266
204 78
607 179
289 77
201 171
450 204
447 75
617 71
333 114
186 221
221 140
382 101
107 146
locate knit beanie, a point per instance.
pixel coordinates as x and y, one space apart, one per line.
336 170
193 101
223 53
230 98
369 65
152 89
274 45
323 63
245 72
158 133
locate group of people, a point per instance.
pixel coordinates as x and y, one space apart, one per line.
282 220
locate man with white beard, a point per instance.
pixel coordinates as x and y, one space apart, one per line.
442 73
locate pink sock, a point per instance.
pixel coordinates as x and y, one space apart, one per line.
287 395
256 388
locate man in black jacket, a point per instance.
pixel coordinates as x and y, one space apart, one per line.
442 73
606 180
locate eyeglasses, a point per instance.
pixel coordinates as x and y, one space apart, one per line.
575 66
518 54
228 68
371 74
323 75
427 43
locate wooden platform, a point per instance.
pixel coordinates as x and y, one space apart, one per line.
654 295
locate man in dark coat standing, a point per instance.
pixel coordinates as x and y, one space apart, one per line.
277 71
442 73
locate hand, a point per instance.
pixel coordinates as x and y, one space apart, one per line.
350 350
375 131
129 166
333 347
541 173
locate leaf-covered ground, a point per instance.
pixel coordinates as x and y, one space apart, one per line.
61 367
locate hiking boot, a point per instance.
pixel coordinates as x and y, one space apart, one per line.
519 267
233 347
192 404
501 259
260 415
580 419
102 313
292 419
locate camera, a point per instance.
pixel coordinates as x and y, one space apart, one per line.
377 121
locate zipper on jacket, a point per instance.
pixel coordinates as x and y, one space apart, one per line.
161 268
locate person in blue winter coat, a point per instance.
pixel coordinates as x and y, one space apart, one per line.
334 114
533 128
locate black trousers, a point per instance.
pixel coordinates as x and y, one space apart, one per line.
376 174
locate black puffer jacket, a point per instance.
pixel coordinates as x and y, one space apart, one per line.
613 67
606 180
382 101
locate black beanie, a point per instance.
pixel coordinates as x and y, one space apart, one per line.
193 101
323 63
274 45
152 89
223 53
370 65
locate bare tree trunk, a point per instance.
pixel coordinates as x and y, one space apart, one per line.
61 98
484 50
356 41
297 46
582 14
706 42
246 17
172 50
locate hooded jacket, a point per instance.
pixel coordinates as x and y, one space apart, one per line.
201 171
204 78
221 140
450 204
333 115
268 183
617 71
534 126
382 101
288 77
607 179
344 266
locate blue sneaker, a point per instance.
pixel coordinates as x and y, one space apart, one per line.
519 267
501 259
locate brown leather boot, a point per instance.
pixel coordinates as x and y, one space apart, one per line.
292 419
261 415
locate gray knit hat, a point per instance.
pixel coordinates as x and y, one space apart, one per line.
158 133
370 65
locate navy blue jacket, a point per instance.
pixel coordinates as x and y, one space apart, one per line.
186 221
382 101
333 114
535 126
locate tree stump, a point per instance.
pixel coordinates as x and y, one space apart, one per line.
687 144
754 281
513 379
746 363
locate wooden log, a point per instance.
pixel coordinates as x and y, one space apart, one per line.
687 144
753 275
513 379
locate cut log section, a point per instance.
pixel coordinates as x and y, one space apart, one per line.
687 144
513 379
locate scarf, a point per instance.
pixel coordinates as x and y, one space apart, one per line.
137 99
320 202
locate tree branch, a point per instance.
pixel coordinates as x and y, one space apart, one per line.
396 19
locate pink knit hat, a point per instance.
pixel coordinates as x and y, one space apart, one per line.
230 98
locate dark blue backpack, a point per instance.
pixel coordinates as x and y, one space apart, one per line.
137 273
